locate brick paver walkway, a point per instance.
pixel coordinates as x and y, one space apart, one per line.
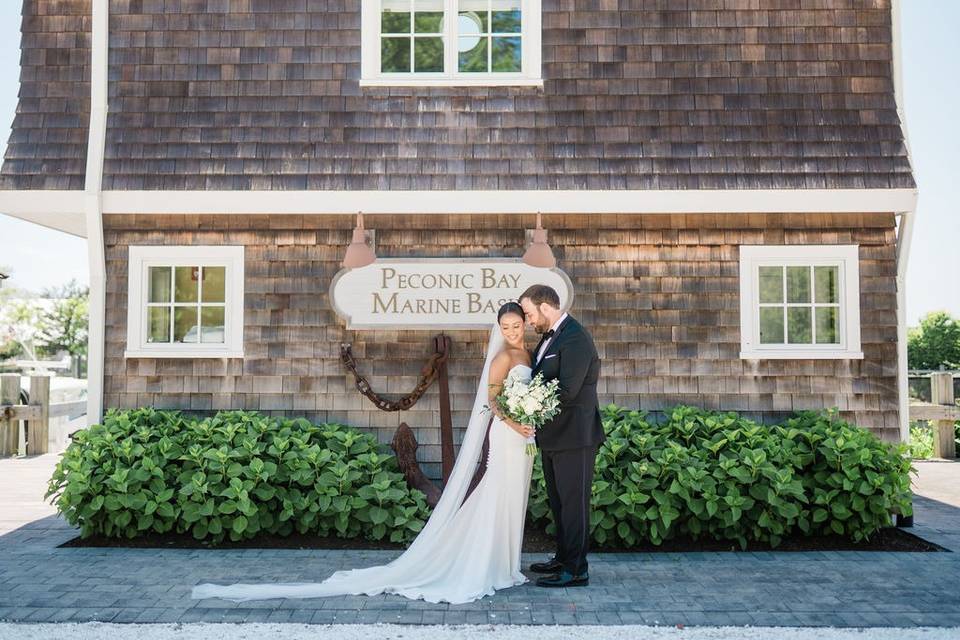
42 583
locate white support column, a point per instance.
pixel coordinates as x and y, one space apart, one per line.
93 208
904 233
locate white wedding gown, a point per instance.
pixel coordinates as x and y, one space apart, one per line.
463 553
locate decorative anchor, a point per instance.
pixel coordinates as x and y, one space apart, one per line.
404 442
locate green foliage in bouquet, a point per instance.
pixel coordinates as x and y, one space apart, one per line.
704 474
237 474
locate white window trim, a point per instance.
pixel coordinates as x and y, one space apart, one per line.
844 256
141 258
371 76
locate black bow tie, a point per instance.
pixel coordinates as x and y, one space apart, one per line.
549 334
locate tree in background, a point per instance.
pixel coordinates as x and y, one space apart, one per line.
64 324
934 343
45 327
8 348
19 321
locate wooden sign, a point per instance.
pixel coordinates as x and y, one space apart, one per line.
436 293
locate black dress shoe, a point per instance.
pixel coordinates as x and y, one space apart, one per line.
564 579
550 566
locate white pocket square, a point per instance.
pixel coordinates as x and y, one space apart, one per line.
552 355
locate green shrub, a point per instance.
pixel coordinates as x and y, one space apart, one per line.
921 440
237 474
696 474
718 475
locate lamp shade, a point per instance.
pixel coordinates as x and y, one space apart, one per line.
359 253
539 253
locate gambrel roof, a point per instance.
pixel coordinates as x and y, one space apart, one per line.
264 95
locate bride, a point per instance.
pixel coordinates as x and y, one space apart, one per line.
469 547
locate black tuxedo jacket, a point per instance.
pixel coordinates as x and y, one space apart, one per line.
571 358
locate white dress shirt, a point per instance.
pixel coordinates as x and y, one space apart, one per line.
546 343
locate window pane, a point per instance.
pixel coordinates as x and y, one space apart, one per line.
468 28
158 324
428 16
506 54
395 16
505 16
475 59
395 55
214 284
828 325
474 11
799 330
186 284
185 324
212 323
771 325
798 284
428 54
159 284
827 283
771 284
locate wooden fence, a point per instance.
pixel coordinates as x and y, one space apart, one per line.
919 382
25 428
943 410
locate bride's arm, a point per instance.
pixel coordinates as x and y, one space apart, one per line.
498 371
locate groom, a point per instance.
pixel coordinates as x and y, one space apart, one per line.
568 443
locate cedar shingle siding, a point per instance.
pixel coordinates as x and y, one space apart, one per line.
263 94
685 94
47 148
660 294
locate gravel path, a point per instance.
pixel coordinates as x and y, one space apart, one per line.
97 630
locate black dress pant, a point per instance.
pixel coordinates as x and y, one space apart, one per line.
569 478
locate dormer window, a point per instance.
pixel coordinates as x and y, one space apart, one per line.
450 42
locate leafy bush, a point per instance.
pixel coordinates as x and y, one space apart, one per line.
236 474
697 474
718 475
921 440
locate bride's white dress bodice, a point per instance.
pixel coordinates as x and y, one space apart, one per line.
525 369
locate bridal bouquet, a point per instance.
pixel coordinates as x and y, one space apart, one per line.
532 403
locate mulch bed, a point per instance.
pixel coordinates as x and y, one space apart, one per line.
535 540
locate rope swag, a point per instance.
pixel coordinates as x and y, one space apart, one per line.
428 374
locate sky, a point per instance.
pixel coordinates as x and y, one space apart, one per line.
931 66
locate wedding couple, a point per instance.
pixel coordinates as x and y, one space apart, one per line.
470 545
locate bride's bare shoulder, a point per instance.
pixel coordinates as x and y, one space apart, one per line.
508 358
516 356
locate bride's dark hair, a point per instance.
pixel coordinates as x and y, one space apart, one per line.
510 307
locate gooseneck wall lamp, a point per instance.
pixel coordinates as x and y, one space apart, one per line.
359 253
539 253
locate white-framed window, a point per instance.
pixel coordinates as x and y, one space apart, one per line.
185 302
799 302
450 42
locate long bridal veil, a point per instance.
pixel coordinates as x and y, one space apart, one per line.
403 571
